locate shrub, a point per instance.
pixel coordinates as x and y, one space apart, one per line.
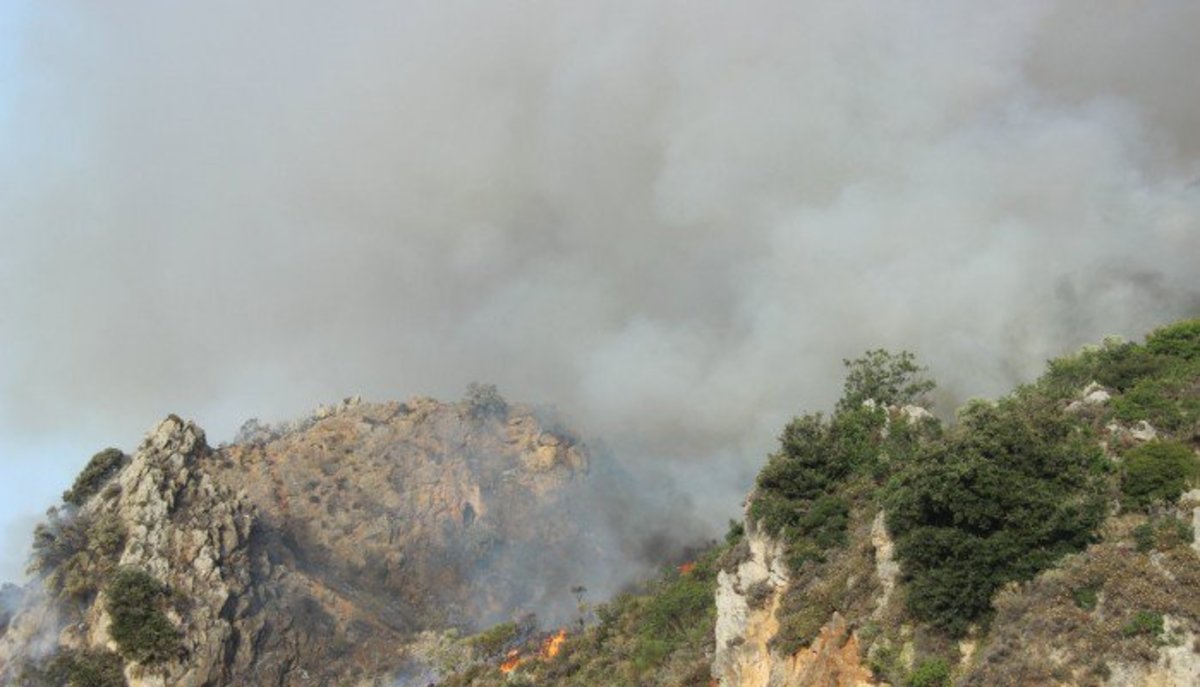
1144 537
672 612
74 553
99 470
930 673
1179 340
736 531
57 540
1009 491
1163 534
814 459
495 639
72 668
886 378
1157 472
1116 364
1086 598
140 628
1143 623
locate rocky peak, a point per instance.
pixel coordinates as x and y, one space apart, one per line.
314 551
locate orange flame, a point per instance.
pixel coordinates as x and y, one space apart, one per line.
553 645
687 568
511 661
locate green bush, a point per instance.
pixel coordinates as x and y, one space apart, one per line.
1162 534
1086 598
1157 472
1144 537
930 673
1144 623
798 498
1116 364
140 628
1170 401
675 609
1179 340
493 640
99 470
1013 488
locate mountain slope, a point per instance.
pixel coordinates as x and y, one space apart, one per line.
313 553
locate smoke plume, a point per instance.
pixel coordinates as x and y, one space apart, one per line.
672 220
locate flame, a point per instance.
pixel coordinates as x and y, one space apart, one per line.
511 661
687 568
553 645
550 648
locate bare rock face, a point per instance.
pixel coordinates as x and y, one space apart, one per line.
748 599
745 626
314 553
187 532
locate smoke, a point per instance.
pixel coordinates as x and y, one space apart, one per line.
672 219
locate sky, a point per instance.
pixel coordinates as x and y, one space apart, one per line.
670 220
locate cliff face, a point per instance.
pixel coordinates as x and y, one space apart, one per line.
314 553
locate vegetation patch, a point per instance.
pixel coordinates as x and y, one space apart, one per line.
1086 597
658 636
74 553
1146 623
139 626
1011 490
71 668
1157 473
495 639
930 673
99 470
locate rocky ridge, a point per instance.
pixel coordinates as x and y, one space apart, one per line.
317 553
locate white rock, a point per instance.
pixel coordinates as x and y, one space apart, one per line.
915 414
886 567
1095 393
1142 431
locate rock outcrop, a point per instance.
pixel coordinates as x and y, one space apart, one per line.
748 600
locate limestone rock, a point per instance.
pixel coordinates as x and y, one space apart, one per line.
744 657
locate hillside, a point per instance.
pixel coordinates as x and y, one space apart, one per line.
1045 538
325 551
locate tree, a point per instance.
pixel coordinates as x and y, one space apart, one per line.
1012 489
886 378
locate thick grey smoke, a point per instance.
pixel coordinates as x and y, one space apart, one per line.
670 219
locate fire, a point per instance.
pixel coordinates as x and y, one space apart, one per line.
511 661
687 568
553 645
